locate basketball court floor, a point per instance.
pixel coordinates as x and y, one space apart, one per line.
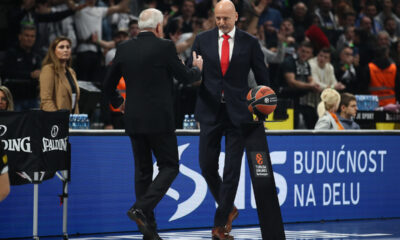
388 229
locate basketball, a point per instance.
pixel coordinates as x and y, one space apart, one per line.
262 99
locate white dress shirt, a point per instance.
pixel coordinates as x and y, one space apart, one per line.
231 42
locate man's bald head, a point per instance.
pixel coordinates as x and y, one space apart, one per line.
225 15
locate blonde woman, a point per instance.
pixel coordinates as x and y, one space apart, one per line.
58 85
6 99
327 109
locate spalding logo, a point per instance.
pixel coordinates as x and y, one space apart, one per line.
266 100
54 131
3 130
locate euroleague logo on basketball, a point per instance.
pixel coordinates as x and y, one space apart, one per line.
261 100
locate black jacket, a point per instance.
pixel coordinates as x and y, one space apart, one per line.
148 65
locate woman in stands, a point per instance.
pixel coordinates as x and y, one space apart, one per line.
6 99
327 109
58 85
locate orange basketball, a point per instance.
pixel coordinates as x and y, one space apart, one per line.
262 99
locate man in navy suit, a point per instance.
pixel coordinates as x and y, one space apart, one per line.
228 54
148 64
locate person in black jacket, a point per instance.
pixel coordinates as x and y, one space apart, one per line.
21 70
148 64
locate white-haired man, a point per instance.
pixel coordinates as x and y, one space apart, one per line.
147 64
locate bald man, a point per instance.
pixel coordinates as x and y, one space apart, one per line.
228 54
148 64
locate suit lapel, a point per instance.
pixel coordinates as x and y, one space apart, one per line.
214 48
236 49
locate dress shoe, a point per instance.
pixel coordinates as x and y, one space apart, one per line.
138 216
232 216
220 233
153 226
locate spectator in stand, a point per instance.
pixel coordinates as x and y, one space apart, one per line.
323 74
88 22
133 28
28 14
381 77
301 21
350 19
272 15
345 69
387 12
327 20
64 27
383 39
347 38
395 53
22 69
370 12
391 28
341 10
348 111
327 108
6 99
297 83
59 89
4 179
364 42
187 13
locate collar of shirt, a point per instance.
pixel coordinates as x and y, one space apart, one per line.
231 42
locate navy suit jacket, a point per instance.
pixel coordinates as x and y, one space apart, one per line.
246 54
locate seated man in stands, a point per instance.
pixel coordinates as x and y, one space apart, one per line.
348 111
22 69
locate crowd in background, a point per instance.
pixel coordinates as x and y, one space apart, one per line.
309 46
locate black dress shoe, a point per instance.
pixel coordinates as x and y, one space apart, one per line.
138 216
153 226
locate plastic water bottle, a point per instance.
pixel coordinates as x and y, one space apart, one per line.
192 122
70 120
186 122
86 122
74 123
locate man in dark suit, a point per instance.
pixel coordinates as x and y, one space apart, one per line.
148 64
221 108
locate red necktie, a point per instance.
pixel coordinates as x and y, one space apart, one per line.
225 54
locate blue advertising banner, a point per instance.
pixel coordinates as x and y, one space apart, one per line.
318 177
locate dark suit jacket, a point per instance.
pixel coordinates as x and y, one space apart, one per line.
246 54
148 65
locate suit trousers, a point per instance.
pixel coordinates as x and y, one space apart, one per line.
164 146
223 190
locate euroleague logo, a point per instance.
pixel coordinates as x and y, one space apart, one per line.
259 159
197 194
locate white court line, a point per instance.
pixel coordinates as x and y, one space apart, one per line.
243 234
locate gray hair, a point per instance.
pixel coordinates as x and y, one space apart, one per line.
149 18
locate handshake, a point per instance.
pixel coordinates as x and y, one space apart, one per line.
197 61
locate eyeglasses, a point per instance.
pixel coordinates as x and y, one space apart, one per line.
3 99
